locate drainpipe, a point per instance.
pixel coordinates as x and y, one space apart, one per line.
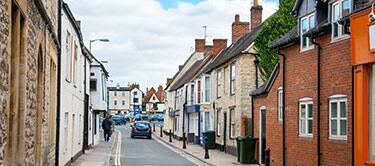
256 62
284 128
58 87
318 97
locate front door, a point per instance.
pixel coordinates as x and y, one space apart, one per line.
262 135
225 132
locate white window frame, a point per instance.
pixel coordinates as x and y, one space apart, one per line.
123 102
207 89
219 88
340 29
232 125
305 119
232 85
338 99
280 104
309 45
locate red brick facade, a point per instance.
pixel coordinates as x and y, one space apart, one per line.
239 29
301 82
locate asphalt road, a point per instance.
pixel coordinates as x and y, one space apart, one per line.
145 152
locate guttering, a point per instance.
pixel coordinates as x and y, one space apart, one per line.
58 86
318 52
284 128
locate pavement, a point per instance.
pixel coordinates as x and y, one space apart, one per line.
196 152
99 155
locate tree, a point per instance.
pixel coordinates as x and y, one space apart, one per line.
273 28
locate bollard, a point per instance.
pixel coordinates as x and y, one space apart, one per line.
183 141
170 135
206 156
161 131
267 157
154 127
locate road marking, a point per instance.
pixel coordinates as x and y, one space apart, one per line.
118 150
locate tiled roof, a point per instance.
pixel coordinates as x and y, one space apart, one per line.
289 37
190 73
234 50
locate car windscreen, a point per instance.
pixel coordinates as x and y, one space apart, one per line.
141 125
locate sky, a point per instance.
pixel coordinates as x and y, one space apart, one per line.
150 38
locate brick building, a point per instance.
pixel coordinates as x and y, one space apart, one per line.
28 80
315 67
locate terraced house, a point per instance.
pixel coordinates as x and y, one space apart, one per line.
29 47
304 111
234 73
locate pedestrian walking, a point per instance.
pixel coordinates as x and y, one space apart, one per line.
107 127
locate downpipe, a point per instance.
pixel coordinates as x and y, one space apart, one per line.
284 90
58 87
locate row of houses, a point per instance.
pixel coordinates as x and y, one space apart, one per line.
52 88
317 106
130 99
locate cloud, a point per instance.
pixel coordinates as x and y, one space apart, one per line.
149 41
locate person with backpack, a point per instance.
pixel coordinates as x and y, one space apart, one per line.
107 127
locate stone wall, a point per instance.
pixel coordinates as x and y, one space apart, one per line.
37 37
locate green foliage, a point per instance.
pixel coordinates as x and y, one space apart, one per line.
274 27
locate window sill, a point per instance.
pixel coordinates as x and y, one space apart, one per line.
338 138
302 50
305 136
338 39
67 80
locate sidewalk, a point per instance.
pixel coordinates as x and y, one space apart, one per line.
197 152
99 155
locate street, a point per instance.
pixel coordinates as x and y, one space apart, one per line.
142 151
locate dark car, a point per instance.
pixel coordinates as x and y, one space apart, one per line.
141 128
118 119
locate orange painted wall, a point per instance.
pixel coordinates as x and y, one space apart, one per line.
359 26
361 58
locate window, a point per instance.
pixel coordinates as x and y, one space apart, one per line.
232 123
74 66
218 81
191 94
306 24
232 79
92 74
207 90
218 122
114 102
66 125
68 56
338 117
123 93
339 9
115 93
135 100
306 117
280 104
93 85
153 98
207 121
135 93
199 92
123 102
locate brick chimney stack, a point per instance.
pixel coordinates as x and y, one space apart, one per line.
218 45
239 28
200 45
255 14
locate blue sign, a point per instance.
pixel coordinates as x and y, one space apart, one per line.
137 111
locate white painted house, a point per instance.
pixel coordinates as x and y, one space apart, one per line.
98 99
119 99
72 75
136 97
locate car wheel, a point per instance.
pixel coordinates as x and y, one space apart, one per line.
131 136
149 137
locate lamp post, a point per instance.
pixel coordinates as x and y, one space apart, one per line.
95 40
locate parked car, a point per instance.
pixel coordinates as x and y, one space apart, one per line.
145 117
118 120
141 128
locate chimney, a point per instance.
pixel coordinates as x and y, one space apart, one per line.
78 23
219 44
207 50
180 67
200 45
239 28
169 81
255 14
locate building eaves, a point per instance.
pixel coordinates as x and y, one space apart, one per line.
188 75
95 59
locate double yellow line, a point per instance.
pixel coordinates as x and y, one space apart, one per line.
118 150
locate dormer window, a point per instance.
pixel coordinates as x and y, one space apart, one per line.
339 9
307 23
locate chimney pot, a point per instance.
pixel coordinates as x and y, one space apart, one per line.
200 45
218 45
255 15
239 29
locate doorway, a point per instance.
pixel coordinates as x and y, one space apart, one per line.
262 134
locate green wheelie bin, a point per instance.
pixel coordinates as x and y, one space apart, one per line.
211 139
246 150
